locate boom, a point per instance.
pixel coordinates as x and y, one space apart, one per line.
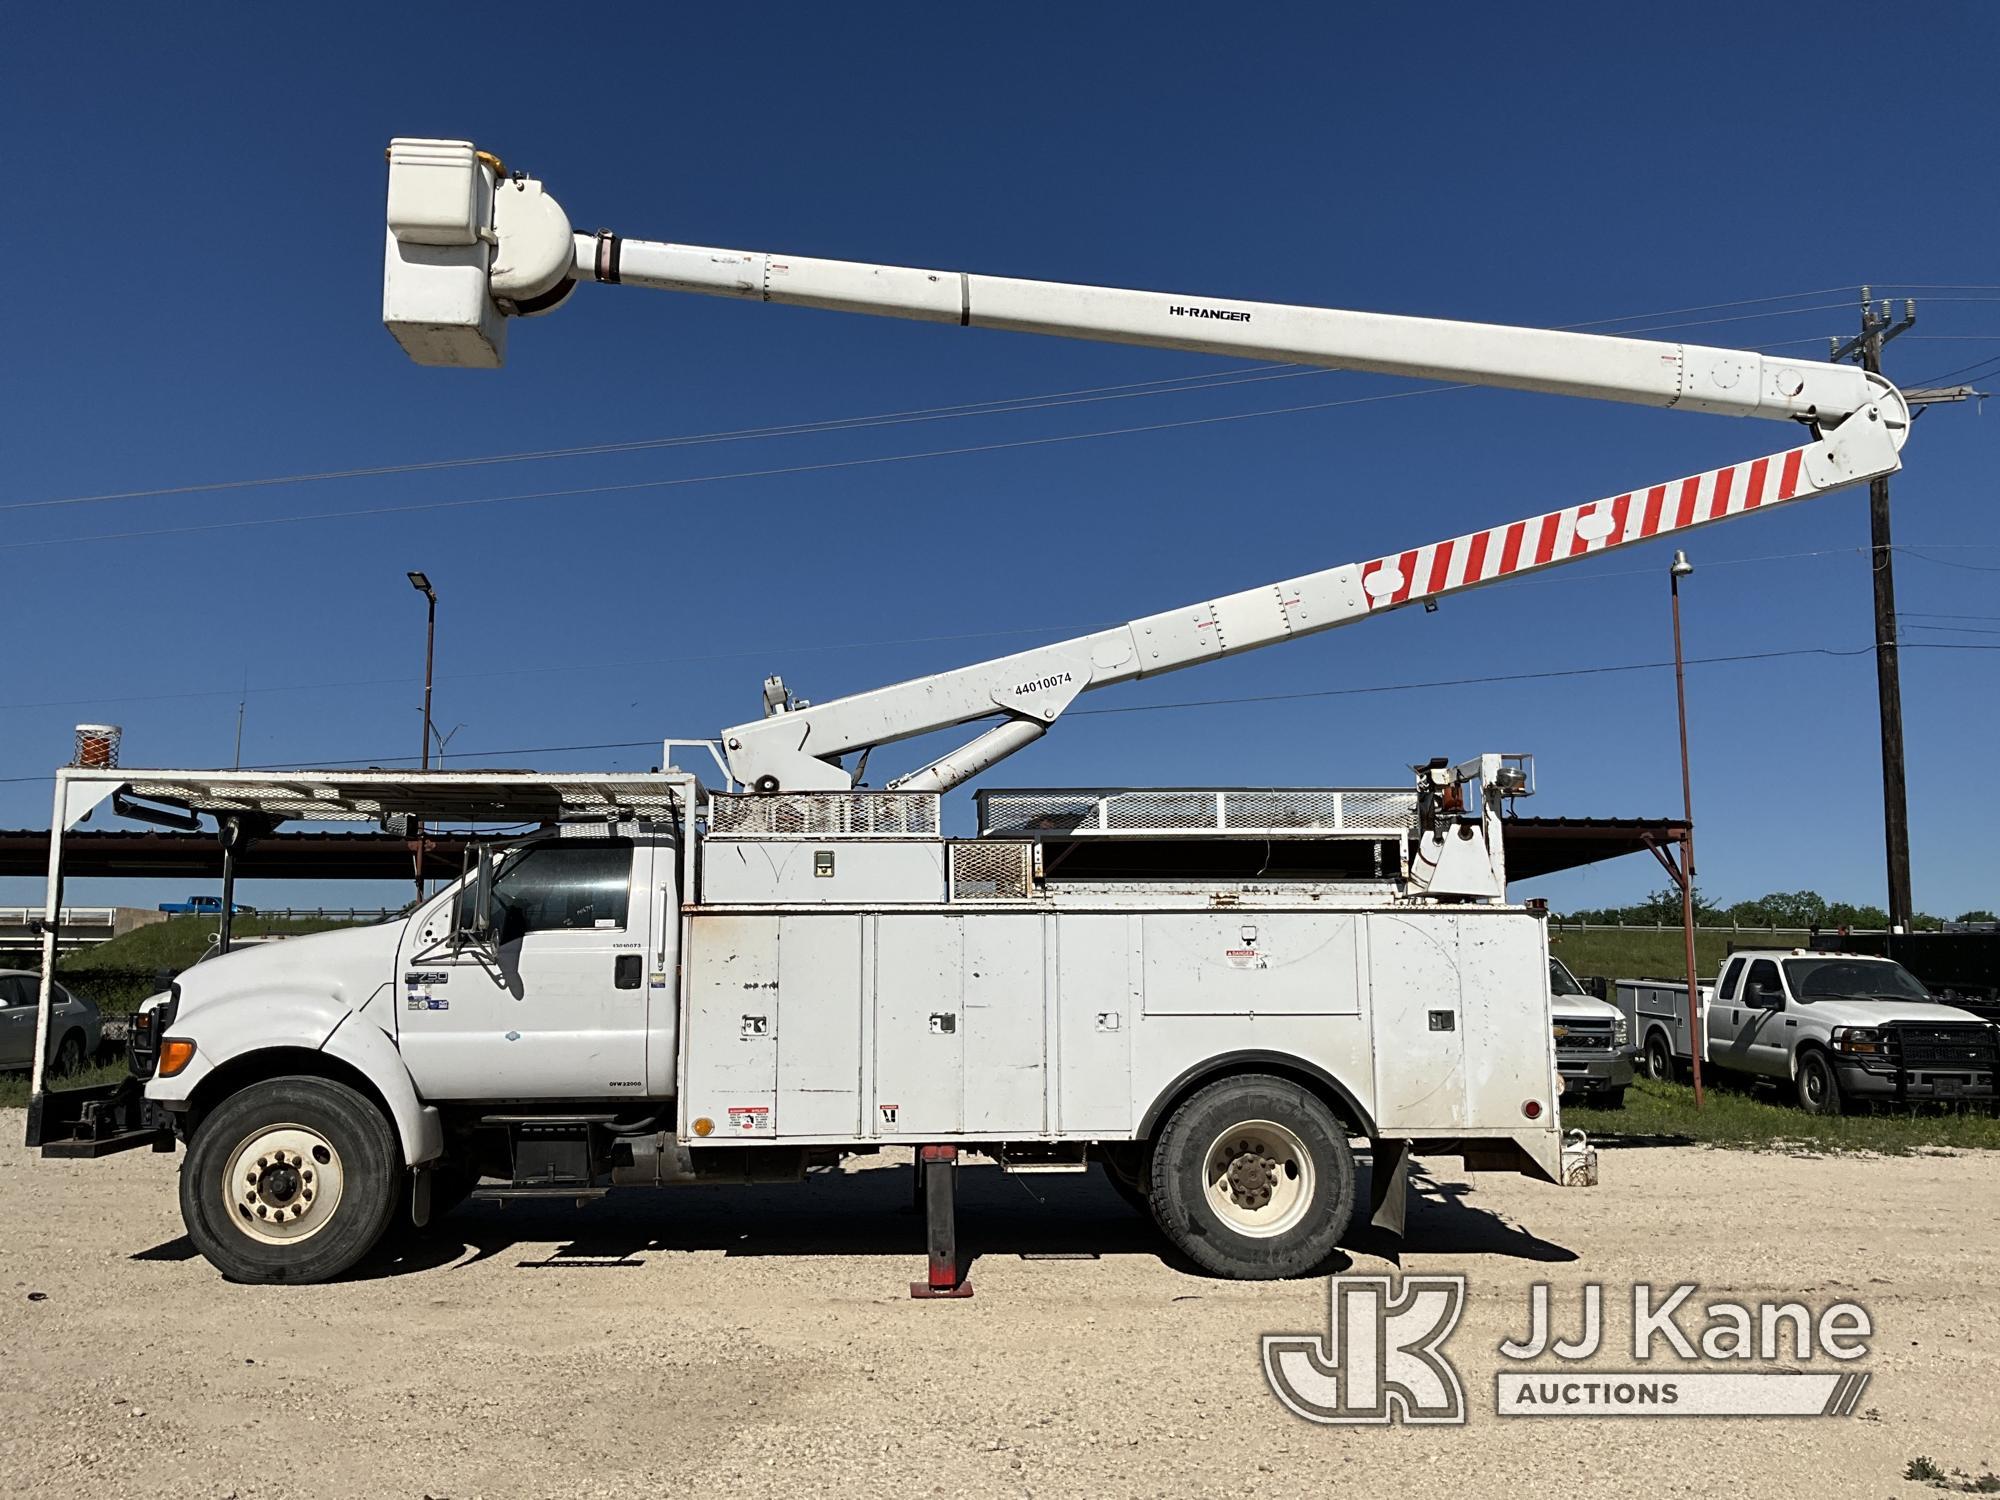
468 246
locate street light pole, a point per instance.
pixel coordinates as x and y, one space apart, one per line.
422 584
1679 569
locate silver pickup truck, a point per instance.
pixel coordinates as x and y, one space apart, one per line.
1841 1027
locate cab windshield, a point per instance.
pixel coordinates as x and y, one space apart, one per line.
1851 979
1561 981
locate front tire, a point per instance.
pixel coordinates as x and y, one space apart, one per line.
1253 1179
1819 1085
293 1179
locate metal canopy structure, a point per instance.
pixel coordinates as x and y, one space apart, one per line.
120 853
383 796
1548 846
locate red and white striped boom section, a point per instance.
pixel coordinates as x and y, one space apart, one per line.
799 749
1558 536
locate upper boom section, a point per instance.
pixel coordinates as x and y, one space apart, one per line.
469 247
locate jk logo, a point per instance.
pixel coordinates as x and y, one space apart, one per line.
1381 1359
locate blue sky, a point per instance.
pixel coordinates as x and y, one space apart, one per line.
196 236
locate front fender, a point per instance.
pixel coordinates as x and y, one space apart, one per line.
229 1030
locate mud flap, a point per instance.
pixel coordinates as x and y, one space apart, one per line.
1388 1185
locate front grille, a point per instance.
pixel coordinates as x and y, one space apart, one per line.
1583 1036
1921 1045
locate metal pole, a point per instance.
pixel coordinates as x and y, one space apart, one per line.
230 830
1679 569
1888 670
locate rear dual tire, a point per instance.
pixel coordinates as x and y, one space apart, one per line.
1253 1179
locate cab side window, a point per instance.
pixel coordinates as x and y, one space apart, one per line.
564 885
1764 976
15 990
1730 982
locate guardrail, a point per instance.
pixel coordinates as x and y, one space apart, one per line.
325 913
1735 929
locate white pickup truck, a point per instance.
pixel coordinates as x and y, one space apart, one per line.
1593 1040
1843 1028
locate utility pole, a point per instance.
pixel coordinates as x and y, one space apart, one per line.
1877 328
1680 568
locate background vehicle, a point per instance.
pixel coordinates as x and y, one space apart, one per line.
202 906
1593 1039
1843 1028
73 1024
1846 1028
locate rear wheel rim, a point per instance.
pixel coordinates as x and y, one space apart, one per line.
1258 1178
283 1184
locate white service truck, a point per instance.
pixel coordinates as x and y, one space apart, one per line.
1843 1029
1593 1038
1214 991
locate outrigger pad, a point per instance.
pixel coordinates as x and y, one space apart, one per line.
1389 1185
937 1169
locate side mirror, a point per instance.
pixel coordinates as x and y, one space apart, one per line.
474 924
1764 997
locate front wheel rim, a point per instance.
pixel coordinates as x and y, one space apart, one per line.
1258 1178
283 1184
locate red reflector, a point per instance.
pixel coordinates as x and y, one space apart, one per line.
1532 1108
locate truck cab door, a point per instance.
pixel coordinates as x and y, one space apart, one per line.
1760 1021
554 1006
1722 1015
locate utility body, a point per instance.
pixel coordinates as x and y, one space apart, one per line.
1214 992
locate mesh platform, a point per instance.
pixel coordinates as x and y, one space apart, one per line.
1257 812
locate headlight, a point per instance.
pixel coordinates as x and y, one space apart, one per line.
1861 1041
1621 1031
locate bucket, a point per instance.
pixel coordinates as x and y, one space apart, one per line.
97 746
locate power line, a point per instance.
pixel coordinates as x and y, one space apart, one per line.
751 653
1391 687
1405 687
998 406
633 486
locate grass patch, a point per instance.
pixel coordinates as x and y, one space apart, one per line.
179 941
14 1086
1738 1117
1654 953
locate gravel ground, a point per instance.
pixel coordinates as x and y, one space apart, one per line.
760 1342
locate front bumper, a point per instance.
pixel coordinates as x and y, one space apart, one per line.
1590 1072
1886 1081
97 1121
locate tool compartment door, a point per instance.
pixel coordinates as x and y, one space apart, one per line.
1420 1041
732 1030
819 1043
919 1026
